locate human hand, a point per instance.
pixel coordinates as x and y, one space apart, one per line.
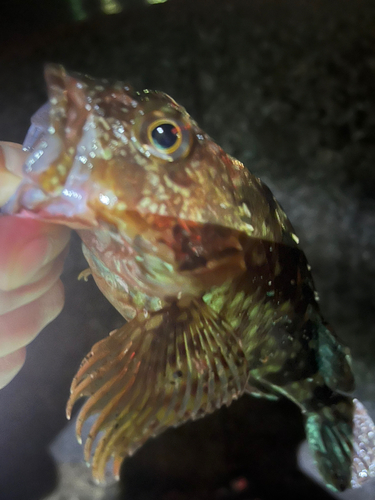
31 260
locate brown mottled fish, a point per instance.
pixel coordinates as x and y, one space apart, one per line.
199 258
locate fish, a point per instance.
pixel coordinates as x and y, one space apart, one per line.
202 262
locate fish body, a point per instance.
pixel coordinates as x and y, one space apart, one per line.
200 259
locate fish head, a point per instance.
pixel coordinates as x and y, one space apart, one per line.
138 178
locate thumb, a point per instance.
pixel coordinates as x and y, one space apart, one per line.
12 157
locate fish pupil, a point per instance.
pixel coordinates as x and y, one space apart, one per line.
165 135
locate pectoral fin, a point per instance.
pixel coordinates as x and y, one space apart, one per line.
177 364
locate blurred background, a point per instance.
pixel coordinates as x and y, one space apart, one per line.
287 87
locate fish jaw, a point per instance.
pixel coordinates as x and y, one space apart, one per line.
58 183
54 184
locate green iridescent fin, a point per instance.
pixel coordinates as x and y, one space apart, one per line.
260 389
334 361
329 431
363 466
155 372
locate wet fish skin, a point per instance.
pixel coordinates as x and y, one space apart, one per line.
196 253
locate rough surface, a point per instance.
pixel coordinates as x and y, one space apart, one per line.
288 88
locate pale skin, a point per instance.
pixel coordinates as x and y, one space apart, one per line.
31 259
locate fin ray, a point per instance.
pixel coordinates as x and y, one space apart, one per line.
329 431
158 371
334 361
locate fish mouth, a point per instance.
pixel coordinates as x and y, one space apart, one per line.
65 200
68 208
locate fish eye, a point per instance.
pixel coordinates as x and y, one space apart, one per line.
165 135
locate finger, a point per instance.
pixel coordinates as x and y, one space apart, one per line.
12 157
11 160
18 328
26 246
9 301
10 365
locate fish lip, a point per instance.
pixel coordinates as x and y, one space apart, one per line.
68 206
31 201
39 126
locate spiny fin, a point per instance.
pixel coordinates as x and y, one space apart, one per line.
178 364
334 361
363 466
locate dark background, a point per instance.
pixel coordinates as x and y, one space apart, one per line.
288 87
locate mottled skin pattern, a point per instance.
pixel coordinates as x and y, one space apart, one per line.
197 255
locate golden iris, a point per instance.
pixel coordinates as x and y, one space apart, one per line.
164 133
